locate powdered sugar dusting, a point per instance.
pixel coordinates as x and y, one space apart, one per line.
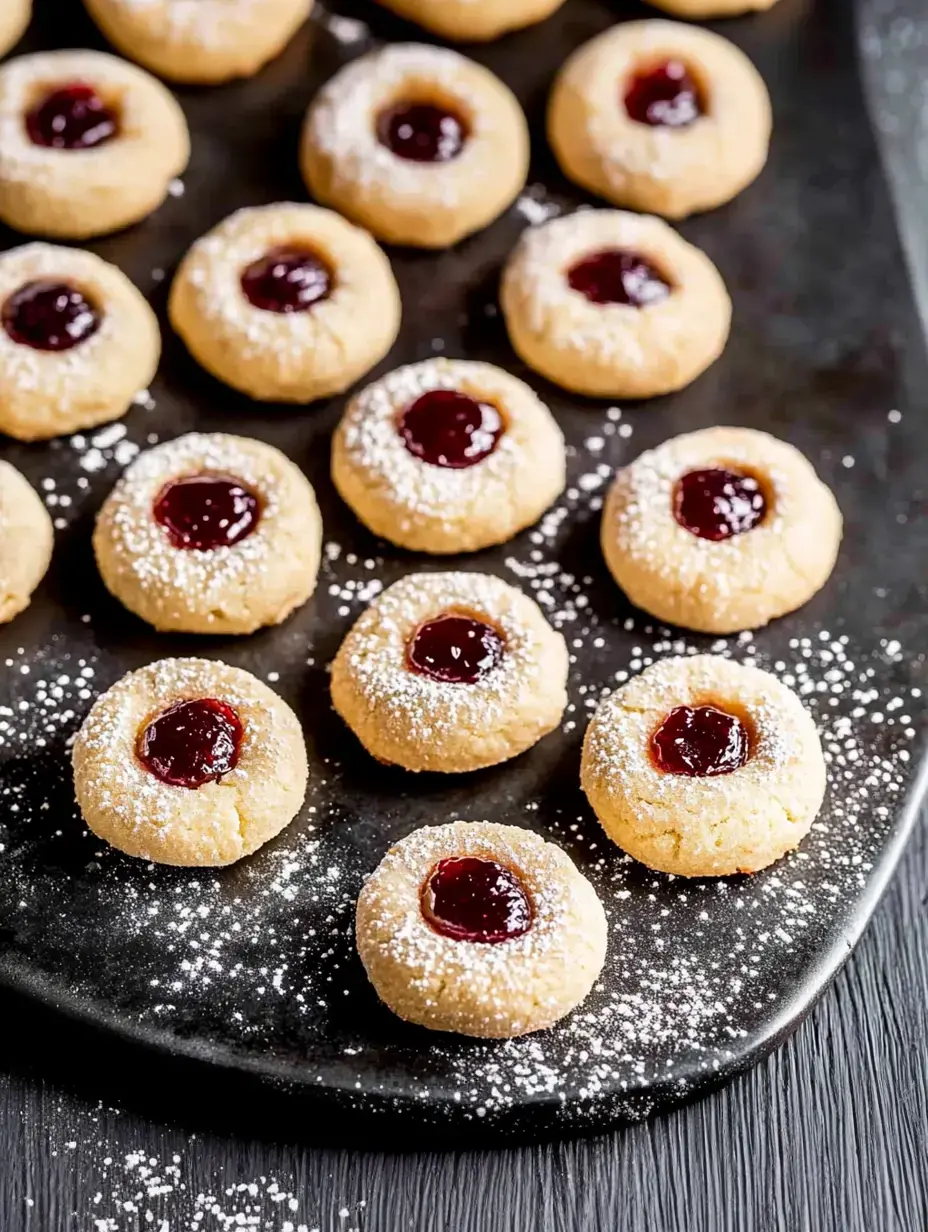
341 121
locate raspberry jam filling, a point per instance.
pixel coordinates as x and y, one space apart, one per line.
49 316
205 511
617 276
450 429
664 96
287 279
471 899
716 503
192 743
455 649
699 742
72 117
422 132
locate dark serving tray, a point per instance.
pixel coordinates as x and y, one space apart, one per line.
253 968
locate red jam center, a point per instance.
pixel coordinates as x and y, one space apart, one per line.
206 511
470 899
192 743
287 280
616 276
450 429
49 316
422 132
454 648
700 741
73 117
665 96
717 503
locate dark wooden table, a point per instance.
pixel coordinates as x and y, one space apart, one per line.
830 1134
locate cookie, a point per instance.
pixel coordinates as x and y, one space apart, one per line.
473 21
200 41
450 672
704 10
703 767
26 539
482 929
417 144
15 16
77 341
660 117
88 143
720 530
287 303
210 534
448 456
189 762
614 305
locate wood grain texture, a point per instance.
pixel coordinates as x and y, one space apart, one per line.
830 1134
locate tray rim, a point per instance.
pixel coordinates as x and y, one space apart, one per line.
546 1112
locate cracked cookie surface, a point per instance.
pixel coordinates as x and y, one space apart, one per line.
407 714
217 822
269 536
704 825
493 990
304 333
759 569
703 157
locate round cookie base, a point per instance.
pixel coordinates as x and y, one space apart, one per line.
26 542
15 16
213 825
209 61
742 582
487 991
714 826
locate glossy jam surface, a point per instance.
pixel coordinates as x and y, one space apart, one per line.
73 117
700 741
422 132
192 743
716 503
471 899
49 316
664 96
616 276
287 280
454 648
207 511
450 429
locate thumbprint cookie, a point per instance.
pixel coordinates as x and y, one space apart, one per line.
660 117
614 305
418 144
448 456
481 929
189 762
450 672
88 143
15 16
720 530
210 534
77 341
704 767
26 538
473 21
200 41
287 303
